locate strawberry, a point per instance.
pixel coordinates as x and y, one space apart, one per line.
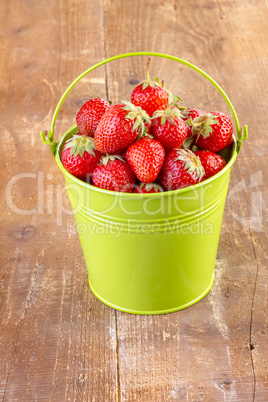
120 126
80 156
182 168
146 188
189 114
211 162
169 128
150 95
213 131
113 173
146 157
88 117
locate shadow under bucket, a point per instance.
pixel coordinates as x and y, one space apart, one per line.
149 253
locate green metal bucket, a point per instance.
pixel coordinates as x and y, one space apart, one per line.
149 253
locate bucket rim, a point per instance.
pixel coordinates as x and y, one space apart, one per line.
143 195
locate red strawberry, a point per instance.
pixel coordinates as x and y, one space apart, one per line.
213 131
169 128
188 115
146 157
145 188
182 168
211 162
150 95
80 156
90 114
119 127
114 174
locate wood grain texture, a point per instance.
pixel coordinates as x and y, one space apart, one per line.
58 342
211 355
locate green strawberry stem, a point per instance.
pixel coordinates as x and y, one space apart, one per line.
78 144
167 115
187 143
139 116
192 162
150 186
202 125
144 134
106 158
148 63
148 83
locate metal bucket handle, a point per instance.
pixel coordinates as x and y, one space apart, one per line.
242 132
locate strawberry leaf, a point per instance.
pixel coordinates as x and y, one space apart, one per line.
78 144
187 143
137 114
188 123
105 159
136 125
163 119
145 85
192 162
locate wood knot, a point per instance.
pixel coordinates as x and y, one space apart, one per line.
251 346
133 81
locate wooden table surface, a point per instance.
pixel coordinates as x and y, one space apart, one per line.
58 342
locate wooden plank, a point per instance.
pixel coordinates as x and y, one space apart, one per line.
57 341
202 353
257 224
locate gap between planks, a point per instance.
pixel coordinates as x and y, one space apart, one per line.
117 358
251 344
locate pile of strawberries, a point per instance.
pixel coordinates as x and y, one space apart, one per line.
148 145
